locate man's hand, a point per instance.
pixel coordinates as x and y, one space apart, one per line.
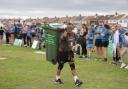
65 33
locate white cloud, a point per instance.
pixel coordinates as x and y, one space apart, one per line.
40 8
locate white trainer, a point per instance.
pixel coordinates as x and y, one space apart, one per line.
123 65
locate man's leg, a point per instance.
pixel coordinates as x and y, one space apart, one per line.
74 73
60 67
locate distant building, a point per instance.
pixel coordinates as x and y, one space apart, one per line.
116 19
77 19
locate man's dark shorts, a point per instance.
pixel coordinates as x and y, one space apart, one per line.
64 57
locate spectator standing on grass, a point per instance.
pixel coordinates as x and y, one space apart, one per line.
7 33
29 37
11 32
24 34
106 33
121 34
118 32
89 42
83 33
39 33
33 29
115 42
18 30
1 35
98 41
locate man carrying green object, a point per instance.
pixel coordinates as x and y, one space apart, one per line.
66 54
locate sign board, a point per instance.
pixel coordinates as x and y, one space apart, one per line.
35 44
17 42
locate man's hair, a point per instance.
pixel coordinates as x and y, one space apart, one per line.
107 26
70 27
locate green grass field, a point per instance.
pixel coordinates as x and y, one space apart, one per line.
24 69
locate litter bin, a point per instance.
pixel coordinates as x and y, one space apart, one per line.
52 35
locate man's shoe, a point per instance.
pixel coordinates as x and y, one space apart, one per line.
58 81
78 83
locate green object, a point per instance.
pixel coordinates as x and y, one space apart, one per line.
52 35
110 47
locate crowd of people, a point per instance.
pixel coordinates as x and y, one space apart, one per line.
28 32
97 37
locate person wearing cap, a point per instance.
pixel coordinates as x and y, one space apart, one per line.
66 54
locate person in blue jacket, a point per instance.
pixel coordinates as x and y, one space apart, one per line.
98 41
106 33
